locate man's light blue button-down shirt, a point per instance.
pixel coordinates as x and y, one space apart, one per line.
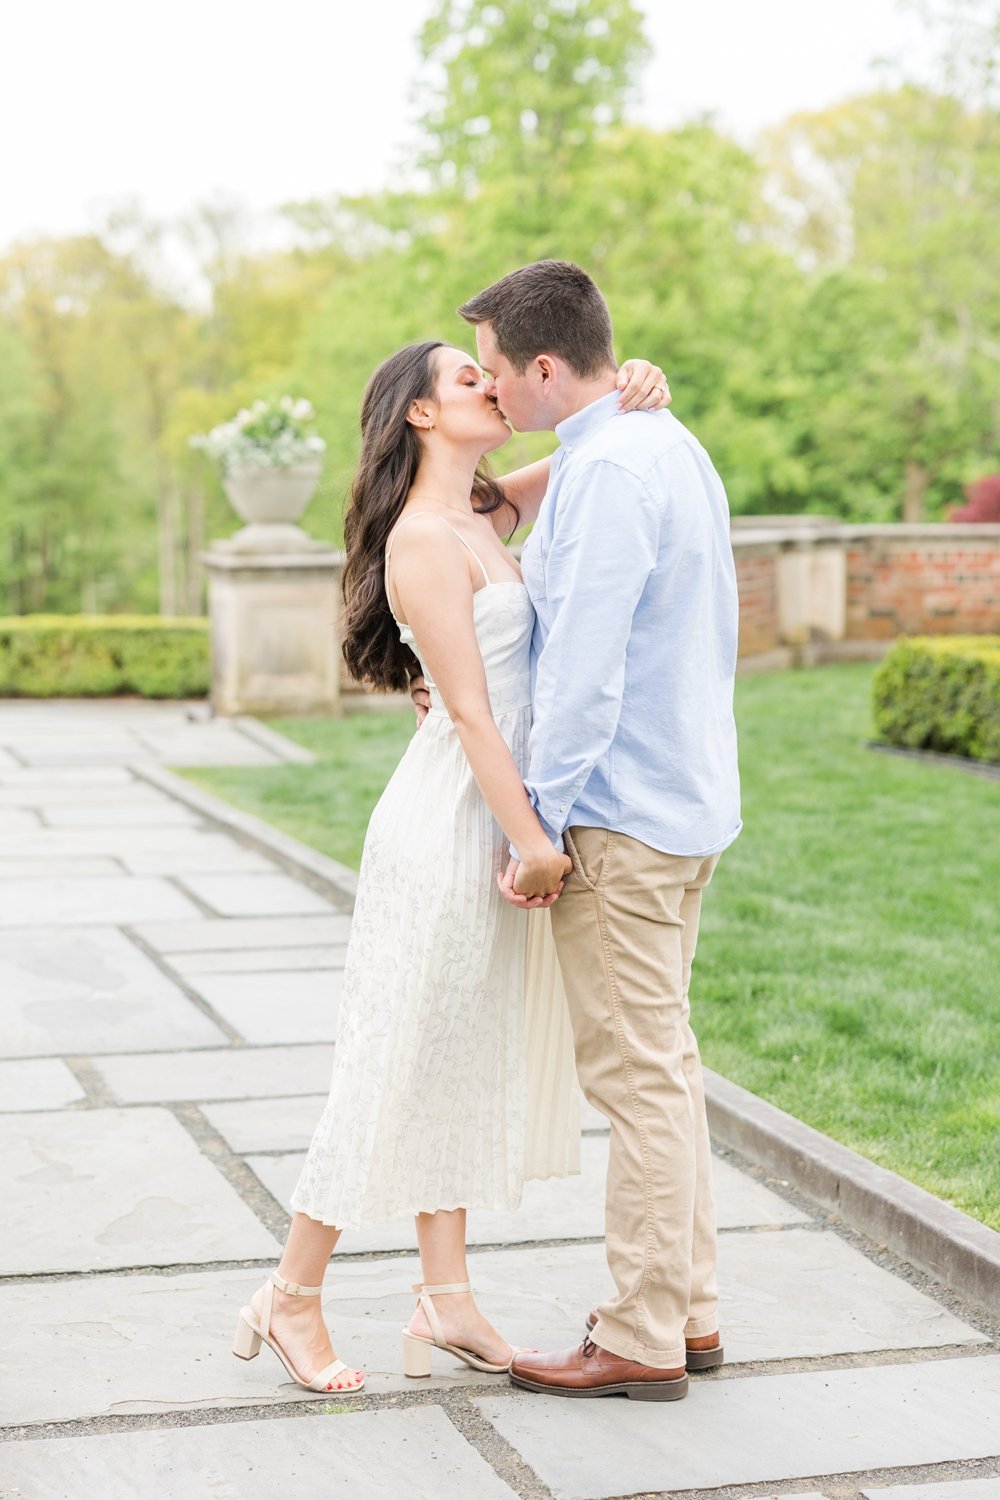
630 570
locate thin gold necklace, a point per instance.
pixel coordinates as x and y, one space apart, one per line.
438 501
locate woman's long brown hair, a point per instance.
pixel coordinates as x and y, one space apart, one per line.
390 454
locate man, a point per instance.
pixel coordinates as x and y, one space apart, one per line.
633 771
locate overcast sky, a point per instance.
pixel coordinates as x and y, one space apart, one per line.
173 103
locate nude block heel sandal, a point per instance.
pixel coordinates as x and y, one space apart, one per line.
246 1344
417 1349
416 1356
250 1335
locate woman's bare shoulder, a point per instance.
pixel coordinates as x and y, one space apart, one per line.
426 551
422 531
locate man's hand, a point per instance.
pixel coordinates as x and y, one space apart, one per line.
420 694
507 881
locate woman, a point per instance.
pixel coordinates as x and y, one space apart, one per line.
453 1077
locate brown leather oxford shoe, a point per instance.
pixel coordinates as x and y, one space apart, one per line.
590 1370
702 1353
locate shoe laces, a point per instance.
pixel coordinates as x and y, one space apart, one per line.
589 1348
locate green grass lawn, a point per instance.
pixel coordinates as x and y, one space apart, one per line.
327 804
849 960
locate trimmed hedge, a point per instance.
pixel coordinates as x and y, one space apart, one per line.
941 693
96 656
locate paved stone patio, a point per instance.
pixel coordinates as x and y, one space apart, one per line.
168 1004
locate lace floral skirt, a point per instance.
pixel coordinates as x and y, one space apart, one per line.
453 1077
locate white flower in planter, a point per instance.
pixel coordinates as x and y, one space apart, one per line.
267 435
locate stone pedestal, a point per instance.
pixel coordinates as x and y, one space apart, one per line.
275 617
812 588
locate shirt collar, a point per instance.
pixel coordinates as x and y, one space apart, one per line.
577 428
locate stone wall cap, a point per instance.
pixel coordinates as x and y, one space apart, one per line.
764 539
219 560
789 538
792 533
941 531
781 523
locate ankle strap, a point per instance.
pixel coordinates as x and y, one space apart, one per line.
430 1311
294 1288
439 1291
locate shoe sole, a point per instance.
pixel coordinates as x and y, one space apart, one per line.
697 1360
705 1359
637 1390
416 1362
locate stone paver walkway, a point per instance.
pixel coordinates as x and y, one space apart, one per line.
168 1003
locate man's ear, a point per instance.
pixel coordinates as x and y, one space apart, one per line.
545 364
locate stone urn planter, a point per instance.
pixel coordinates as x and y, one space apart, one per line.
273 589
270 499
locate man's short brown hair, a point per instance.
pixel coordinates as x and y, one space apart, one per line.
549 307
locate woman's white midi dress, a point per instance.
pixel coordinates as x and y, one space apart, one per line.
453 1075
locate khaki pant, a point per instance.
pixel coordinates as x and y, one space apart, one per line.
626 927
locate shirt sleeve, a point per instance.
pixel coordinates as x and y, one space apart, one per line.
604 545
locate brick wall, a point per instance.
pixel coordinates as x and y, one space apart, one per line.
923 585
757 579
891 580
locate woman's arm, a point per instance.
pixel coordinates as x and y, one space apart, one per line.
524 488
643 387
433 583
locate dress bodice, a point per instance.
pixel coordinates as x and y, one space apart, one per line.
504 620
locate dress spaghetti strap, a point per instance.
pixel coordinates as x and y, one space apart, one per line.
412 517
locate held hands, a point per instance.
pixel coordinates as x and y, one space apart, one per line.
536 881
643 387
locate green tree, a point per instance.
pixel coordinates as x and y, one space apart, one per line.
22 454
68 536
965 37
896 196
524 88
